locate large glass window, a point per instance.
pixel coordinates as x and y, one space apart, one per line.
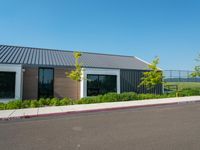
7 84
101 84
45 86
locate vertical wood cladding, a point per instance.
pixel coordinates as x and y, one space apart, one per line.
30 83
130 79
64 86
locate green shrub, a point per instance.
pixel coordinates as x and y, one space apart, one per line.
43 102
26 103
66 101
189 92
110 97
127 96
48 100
89 100
147 96
80 101
76 101
54 102
15 104
167 95
34 104
2 106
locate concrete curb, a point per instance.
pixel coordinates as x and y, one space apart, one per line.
83 111
97 109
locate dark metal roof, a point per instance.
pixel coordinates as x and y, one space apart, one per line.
48 57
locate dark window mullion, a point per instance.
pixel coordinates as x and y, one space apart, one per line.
101 84
46 79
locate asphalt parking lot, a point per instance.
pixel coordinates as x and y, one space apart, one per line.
173 127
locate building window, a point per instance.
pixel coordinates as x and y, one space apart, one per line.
45 85
101 84
7 84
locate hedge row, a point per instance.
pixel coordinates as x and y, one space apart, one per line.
110 97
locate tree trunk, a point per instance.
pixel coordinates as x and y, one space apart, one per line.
77 90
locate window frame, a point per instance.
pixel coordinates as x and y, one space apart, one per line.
39 81
100 88
14 92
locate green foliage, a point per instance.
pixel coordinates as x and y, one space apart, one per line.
66 101
168 95
114 97
44 102
2 106
15 104
189 92
26 104
153 77
184 85
109 97
34 104
147 96
90 100
173 94
127 96
76 74
48 100
196 72
54 102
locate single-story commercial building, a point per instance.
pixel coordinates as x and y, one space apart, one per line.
32 73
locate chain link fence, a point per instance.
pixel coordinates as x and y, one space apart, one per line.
179 76
179 79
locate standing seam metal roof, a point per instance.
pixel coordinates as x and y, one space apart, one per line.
50 57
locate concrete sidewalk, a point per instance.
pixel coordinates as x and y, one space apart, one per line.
55 110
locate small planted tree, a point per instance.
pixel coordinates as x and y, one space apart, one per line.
153 77
196 72
76 74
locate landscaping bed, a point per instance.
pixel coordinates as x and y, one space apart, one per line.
184 85
110 97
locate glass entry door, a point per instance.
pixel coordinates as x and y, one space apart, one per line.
45 85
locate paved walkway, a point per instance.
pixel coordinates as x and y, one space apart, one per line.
54 110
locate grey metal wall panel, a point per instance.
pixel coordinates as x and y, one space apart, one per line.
130 79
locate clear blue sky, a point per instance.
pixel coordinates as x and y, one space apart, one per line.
169 29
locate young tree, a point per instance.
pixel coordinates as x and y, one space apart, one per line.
153 77
196 72
76 74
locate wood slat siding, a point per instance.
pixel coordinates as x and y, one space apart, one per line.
30 83
64 86
130 79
